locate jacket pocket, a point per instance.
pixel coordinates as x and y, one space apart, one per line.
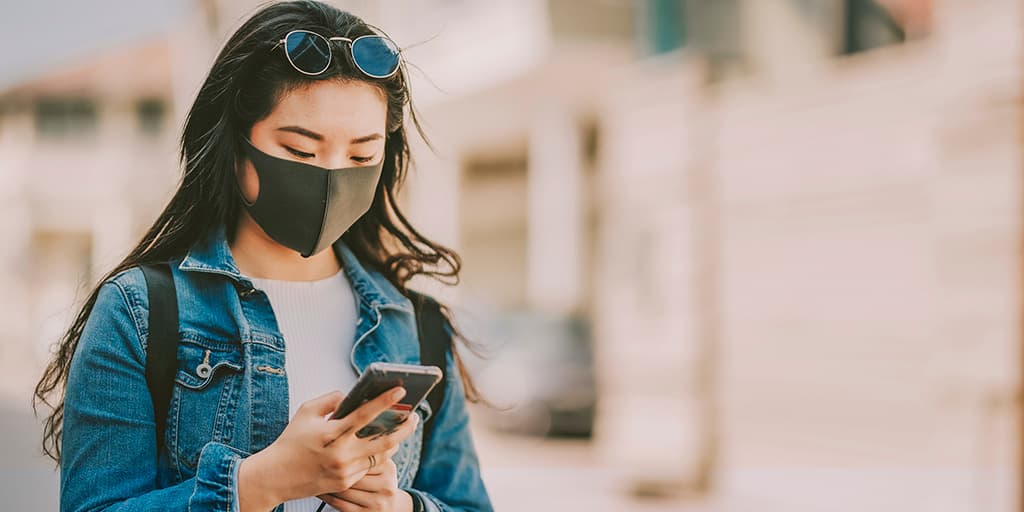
199 365
204 400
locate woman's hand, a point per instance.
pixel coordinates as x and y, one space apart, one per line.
314 455
377 491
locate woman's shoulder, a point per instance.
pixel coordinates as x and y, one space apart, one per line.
130 282
116 318
122 297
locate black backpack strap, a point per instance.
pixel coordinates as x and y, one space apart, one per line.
162 345
435 343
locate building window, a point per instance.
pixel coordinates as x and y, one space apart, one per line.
151 114
666 25
869 25
602 20
65 117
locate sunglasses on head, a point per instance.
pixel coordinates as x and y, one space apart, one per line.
310 53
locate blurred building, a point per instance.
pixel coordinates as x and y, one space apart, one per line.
793 226
87 153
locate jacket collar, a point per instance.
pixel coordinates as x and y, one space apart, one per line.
212 254
372 287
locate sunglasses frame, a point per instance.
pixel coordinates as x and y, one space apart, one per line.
330 55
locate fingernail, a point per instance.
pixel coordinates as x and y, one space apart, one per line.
398 393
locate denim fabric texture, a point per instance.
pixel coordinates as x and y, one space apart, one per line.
218 417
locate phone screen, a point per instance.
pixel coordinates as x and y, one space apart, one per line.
379 377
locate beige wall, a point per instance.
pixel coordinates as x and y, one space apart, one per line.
867 222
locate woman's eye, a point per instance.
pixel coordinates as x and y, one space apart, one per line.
362 159
298 153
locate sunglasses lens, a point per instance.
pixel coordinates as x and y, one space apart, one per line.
309 52
377 56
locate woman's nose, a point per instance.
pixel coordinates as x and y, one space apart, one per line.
336 160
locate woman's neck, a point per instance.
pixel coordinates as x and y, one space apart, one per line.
258 255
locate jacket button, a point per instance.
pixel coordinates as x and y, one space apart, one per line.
203 370
247 292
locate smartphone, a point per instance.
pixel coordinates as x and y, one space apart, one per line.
379 377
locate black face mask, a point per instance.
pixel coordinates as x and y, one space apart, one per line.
306 207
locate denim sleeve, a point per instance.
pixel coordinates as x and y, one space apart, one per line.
448 479
109 459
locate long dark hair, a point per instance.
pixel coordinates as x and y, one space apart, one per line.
244 84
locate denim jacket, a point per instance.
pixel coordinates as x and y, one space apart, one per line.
109 451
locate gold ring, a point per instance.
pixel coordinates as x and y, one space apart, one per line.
373 461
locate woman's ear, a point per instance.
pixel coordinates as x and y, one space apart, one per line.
247 179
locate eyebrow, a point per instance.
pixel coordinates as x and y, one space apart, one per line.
366 138
316 136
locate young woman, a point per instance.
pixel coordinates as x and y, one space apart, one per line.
290 257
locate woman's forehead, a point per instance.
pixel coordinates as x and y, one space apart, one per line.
334 108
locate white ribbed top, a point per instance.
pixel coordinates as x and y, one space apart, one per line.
318 322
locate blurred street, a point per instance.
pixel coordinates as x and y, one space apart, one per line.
28 480
541 475
564 475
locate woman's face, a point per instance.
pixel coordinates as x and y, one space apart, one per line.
330 123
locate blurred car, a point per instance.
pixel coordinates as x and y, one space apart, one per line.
538 372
